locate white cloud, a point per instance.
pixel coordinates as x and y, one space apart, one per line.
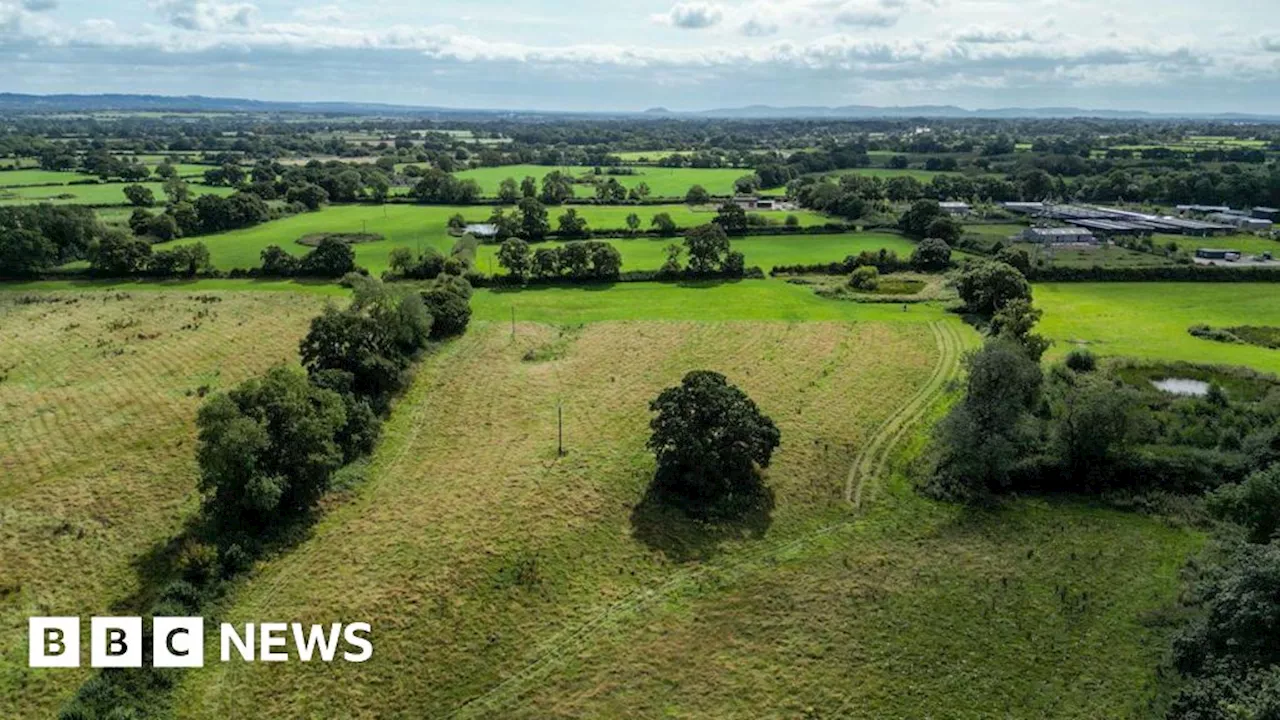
39 5
992 36
758 27
205 15
332 14
1270 44
691 16
868 13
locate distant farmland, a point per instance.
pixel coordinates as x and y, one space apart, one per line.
663 182
421 226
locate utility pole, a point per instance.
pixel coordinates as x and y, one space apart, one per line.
560 429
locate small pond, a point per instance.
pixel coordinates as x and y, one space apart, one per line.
1182 386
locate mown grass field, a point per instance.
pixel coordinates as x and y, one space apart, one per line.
1150 320
418 227
518 584
97 194
98 395
663 182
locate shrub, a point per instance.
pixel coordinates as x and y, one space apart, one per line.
865 278
1081 360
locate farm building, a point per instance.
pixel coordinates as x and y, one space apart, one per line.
1217 254
1202 209
1059 235
747 202
955 208
1242 222
1113 222
1267 213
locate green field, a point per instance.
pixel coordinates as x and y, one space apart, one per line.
421 226
1150 320
663 182
624 610
98 194
98 402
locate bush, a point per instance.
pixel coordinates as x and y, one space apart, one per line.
1081 360
865 278
1253 504
987 286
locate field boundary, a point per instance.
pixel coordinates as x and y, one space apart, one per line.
873 459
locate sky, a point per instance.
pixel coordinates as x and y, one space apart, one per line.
1180 56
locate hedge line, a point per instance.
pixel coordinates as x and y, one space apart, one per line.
629 276
1174 273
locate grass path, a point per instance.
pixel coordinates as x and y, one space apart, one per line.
870 463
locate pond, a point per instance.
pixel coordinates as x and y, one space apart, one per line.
1182 386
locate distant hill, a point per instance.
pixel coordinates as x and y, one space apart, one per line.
20 103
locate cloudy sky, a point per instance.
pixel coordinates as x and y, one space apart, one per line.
1161 55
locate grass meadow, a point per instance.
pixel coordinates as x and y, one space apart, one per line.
100 194
418 227
662 182
516 583
98 395
1150 320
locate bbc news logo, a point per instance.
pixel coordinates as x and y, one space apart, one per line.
178 642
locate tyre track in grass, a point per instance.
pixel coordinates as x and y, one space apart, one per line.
872 463
869 464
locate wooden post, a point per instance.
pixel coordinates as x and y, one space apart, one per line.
560 430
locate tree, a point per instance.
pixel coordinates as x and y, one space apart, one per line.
529 187
931 255
451 312
734 264
575 259
916 221
987 286
546 262
278 263
606 260
119 253
633 223
1017 257
665 225
747 184
1015 321
672 264
139 195
354 342
707 245
508 191
311 196
572 225
533 219
176 190
945 228
732 218
25 251
697 195
1092 424
331 258
457 222
162 227
1253 504
708 438
268 448
515 256
977 444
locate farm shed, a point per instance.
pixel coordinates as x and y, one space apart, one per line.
1058 235
1217 254
1267 213
955 208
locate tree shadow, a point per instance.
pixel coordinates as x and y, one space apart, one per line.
683 532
